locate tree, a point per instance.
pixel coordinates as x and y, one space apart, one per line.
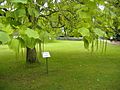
24 23
114 7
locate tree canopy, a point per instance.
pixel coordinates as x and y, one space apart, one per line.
25 23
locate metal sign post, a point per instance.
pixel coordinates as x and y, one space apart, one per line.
46 55
47 65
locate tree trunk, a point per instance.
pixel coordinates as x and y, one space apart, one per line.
31 55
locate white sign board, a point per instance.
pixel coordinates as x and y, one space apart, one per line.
45 54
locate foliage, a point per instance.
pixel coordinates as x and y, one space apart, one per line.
30 20
4 37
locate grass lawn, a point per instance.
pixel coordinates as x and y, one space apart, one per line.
71 67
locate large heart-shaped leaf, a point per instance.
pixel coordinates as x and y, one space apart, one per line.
29 42
33 12
84 31
86 42
32 33
99 32
4 37
14 45
20 12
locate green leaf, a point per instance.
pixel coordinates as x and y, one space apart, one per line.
30 11
99 32
83 15
19 1
86 42
87 25
1 12
31 33
44 36
33 12
14 45
4 37
36 13
29 42
84 31
40 2
118 27
20 12
8 29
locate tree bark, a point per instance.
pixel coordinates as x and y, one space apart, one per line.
31 55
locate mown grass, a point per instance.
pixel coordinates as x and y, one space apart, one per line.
71 67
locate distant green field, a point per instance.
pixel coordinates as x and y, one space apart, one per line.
71 67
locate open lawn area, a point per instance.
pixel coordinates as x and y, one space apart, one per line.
71 67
